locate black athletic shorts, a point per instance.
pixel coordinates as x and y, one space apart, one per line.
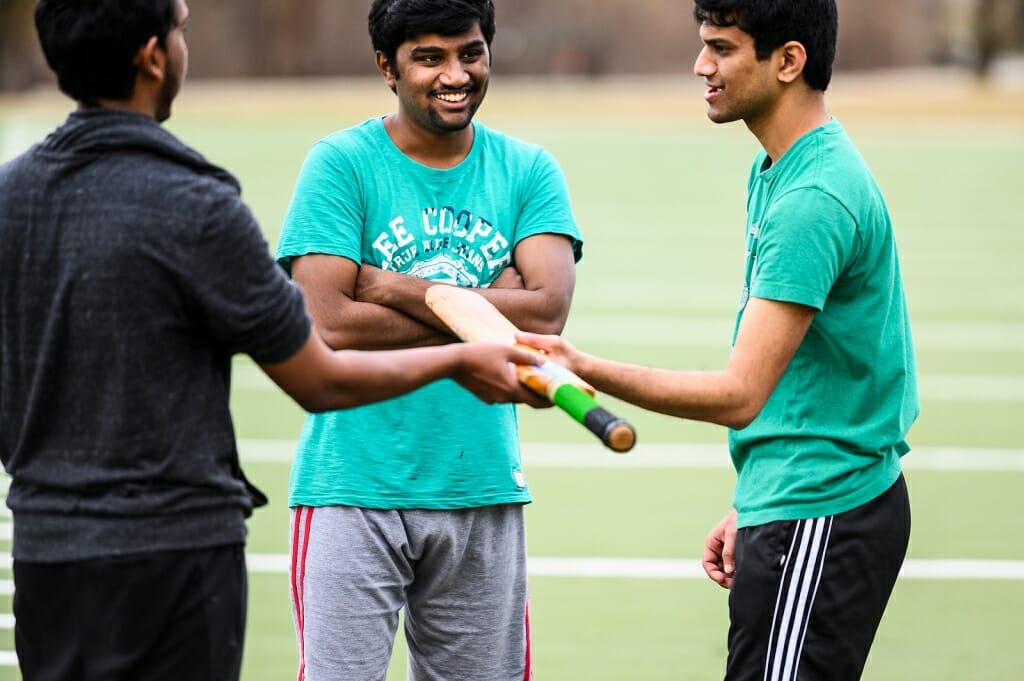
808 595
174 616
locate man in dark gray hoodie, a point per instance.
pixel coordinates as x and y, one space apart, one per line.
130 273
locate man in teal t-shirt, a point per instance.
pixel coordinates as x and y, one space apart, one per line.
819 235
820 388
417 502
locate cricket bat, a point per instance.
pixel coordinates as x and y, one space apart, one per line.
472 317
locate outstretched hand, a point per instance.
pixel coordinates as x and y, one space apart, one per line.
487 371
554 348
720 551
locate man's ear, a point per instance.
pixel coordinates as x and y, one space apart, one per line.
794 58
151 60
386 70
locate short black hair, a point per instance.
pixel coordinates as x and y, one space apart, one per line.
392 22
91 44
772 23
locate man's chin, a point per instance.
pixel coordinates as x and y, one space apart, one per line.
452 126
453 123
721 117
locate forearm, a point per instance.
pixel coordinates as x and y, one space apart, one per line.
320 379
540 310
537 311
399 300
343 321
769 335
366 326
712 396
534 294
364 377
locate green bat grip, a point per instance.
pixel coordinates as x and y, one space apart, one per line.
617 434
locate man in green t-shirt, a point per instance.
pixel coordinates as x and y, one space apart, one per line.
417 503
820 388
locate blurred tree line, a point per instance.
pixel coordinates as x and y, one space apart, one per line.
280 38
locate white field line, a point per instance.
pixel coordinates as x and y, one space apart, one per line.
645 456
681 455
669 568
640 568
693 456
649 456
971 388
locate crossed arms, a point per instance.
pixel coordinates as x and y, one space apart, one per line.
363 307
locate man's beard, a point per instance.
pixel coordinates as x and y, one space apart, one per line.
168 91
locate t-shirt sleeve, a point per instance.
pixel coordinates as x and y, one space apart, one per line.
248 303
804 243
546 208
326 210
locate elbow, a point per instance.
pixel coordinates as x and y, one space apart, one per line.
549 327
742 414
551 324
336 339
737 420
314 404
318 402
545 325
548 317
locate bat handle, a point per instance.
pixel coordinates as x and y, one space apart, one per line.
617 434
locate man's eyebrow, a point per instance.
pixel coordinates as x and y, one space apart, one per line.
433 49
716 41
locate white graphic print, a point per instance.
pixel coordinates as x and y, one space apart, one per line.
445 269
444 245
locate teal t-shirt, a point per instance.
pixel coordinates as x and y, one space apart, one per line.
832 433
359 197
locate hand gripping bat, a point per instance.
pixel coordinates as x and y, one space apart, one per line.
472 317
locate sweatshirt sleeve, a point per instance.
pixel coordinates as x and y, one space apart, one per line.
249 303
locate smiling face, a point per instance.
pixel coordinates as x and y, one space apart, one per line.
440 80
739 87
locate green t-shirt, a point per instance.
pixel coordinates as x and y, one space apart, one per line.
832 433
359 197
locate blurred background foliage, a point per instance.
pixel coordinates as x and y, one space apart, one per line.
296 38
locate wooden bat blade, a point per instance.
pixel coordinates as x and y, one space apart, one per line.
470 316
473 318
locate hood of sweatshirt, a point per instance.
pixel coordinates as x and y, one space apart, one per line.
88 133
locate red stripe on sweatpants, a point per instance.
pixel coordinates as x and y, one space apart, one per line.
528 673
298 569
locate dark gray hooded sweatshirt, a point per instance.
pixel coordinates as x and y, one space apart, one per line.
130 273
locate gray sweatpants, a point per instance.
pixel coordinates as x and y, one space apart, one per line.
460 574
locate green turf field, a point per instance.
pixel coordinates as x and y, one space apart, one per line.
659 193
